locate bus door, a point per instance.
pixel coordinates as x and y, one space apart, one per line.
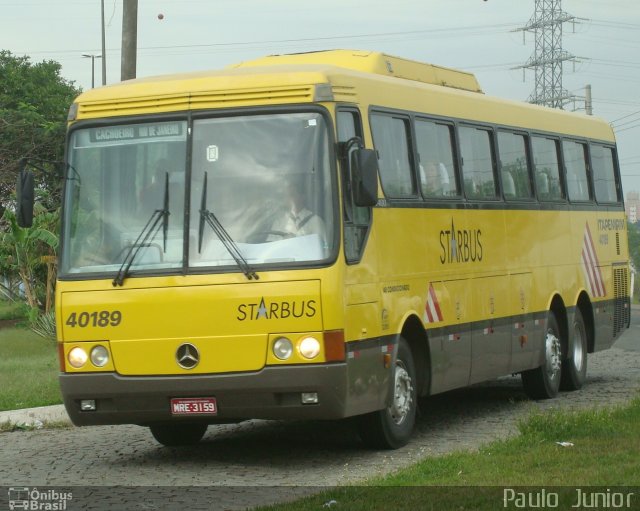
367 377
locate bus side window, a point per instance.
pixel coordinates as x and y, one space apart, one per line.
514 165
391 140
604 176
575 161
547 169
357 220
477 163
436 159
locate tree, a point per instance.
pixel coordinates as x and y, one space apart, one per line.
633 231
34 101
23 252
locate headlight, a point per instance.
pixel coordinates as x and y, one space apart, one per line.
99 356
282 348
309 347
77 357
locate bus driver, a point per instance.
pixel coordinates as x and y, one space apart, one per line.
299 220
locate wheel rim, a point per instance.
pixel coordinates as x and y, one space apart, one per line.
578 351
402 394
553 359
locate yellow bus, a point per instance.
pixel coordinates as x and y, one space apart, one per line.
328 235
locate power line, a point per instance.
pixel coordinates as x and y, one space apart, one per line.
628 128
626 123
617 63
506 66
616 77
616 24
450 31
616 102
612 41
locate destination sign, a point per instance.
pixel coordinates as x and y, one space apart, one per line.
138 131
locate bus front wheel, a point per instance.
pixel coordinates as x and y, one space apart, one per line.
544 381
177 434
392 427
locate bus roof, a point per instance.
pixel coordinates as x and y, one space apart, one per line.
375 63
357 77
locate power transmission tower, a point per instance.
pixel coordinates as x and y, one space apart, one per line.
549 57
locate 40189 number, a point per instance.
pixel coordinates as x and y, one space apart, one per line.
94 319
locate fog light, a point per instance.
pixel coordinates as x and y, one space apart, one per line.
309 398
77 357
99 356
282 348
88 405
309 347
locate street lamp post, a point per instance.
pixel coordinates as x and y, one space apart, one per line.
104 50
93 67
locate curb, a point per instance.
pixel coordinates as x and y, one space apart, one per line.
35 416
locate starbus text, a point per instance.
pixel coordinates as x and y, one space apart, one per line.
276 310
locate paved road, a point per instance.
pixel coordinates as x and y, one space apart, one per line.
630 341
258 462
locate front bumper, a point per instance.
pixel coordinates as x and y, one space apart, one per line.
272 393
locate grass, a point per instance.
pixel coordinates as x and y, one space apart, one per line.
28 363
28 370
605 453
13 310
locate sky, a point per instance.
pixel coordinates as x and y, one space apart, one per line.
480 36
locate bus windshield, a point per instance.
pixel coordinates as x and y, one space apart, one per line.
268 185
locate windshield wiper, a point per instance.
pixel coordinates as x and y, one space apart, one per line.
226 239
148 232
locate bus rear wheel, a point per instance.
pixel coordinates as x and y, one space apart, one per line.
392 427
544 381
178 434
574 367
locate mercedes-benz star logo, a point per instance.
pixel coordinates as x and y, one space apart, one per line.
187 356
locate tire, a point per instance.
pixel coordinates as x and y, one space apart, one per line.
574 367
544 381
392 427
178 434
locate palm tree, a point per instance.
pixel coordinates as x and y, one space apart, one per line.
22 250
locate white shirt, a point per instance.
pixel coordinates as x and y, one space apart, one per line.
302 223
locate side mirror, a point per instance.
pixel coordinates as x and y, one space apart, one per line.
364 177
24 197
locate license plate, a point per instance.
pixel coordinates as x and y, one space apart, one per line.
194 406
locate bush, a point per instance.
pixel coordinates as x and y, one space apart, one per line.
13 310
43 324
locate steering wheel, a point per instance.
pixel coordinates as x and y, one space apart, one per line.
261 236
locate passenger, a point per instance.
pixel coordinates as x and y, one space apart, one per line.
434 179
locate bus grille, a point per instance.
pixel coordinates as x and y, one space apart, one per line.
197 100
622 309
